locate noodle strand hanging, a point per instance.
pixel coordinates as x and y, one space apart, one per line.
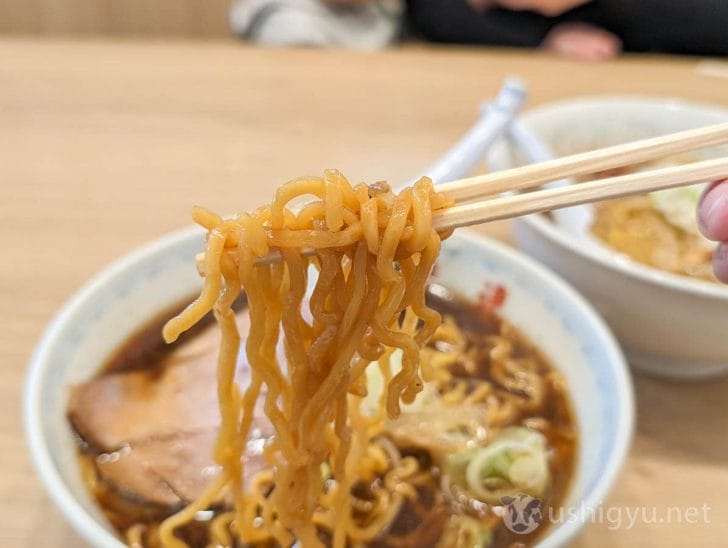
372 251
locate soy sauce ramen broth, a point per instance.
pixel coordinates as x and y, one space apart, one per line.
142 472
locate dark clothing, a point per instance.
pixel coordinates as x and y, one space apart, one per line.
697 27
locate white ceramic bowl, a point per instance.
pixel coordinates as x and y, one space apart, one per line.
670 325
118 301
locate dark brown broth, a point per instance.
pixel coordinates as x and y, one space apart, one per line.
146 349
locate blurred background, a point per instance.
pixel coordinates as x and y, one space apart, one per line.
116 116
589 30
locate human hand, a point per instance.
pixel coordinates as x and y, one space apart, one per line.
713 223
582 42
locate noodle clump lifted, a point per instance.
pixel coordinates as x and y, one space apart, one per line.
373 251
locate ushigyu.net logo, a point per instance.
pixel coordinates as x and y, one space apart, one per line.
522 514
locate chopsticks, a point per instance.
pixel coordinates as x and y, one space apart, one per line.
534 175
488 208
506 207
585 163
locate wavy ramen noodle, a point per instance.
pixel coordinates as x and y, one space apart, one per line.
373 251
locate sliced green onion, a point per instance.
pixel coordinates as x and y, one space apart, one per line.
514 462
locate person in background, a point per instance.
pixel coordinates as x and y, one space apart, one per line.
581 29
713 222
356 24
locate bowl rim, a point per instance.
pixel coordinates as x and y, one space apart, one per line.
91 530
82 522
604 256
562 534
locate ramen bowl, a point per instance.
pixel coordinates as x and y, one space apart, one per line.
669 325
124 297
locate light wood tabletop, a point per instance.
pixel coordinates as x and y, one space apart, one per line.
106 145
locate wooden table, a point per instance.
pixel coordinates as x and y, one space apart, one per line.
104 146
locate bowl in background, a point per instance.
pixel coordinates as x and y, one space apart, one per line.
124 297
669 325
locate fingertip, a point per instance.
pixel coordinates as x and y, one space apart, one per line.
713 212
720 262
709 189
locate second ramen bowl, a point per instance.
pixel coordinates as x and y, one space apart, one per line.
671 326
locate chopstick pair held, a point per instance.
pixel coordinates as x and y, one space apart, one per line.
585 163
506 207
535 175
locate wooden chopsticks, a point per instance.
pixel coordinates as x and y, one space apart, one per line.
530 176
585 163
490 207
604 189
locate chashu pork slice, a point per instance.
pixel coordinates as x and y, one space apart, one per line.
154 430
